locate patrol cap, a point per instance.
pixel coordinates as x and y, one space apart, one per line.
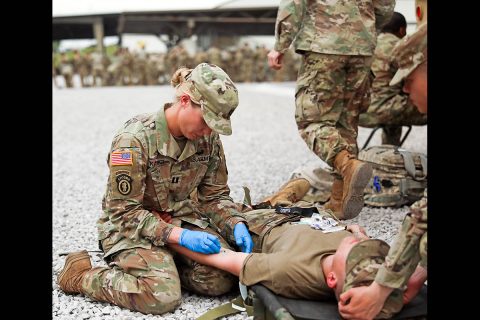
409 53
362 264
217 95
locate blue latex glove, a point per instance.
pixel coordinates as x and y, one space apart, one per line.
200 241
242 237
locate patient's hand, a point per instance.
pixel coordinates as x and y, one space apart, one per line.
358 232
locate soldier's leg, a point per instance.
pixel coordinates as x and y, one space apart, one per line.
356 98
391 135
203 279
68 80
138 279
319 101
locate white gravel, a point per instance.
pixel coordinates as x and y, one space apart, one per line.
262 152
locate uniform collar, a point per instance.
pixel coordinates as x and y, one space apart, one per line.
166 144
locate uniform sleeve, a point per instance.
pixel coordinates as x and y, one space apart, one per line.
214 195
124 201
383 10
289 19
405 253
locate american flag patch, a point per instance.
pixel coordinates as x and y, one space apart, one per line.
121 158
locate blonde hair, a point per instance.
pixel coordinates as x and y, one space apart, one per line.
179 82
178 76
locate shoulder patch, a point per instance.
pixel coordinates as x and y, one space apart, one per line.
124 183
121 158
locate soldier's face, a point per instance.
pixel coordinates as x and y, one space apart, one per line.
416 86
191 122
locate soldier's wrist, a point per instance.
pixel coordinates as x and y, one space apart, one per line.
175 235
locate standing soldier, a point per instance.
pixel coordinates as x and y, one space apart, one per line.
215 57
260 63
247 63
183 57
156 161
97 68
389 105
140 65
126 67
405 266
152 69
201 56
337 43
66 69
81 67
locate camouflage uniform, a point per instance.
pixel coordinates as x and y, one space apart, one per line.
98 69
408 249
337 42
389 105
410 246
66 69
149 172
214 56
246 71
261 66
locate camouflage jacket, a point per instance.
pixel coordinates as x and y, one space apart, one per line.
148 171
384 68
344 27
404 254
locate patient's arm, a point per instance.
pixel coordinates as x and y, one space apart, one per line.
227 260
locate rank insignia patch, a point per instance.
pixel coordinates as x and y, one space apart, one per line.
124 183
121 158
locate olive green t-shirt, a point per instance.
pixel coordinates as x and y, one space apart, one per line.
289 264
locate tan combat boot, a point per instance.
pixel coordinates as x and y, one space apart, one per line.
290 192
335 201
356 175
76 265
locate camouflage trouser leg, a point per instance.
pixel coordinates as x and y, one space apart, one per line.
203 279
392 113
138 279
391 135
408 249
331 92
397 110
68 80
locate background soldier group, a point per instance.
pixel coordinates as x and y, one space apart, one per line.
125 68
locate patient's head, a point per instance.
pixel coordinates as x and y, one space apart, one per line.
356 263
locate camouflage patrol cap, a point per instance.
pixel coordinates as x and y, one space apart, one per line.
217 95
362 264
409 53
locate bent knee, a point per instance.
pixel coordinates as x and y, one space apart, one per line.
210 282
158 298
164 303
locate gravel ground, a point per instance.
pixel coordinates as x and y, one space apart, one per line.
262 152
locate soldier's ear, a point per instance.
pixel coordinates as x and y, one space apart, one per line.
184 100
332 280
